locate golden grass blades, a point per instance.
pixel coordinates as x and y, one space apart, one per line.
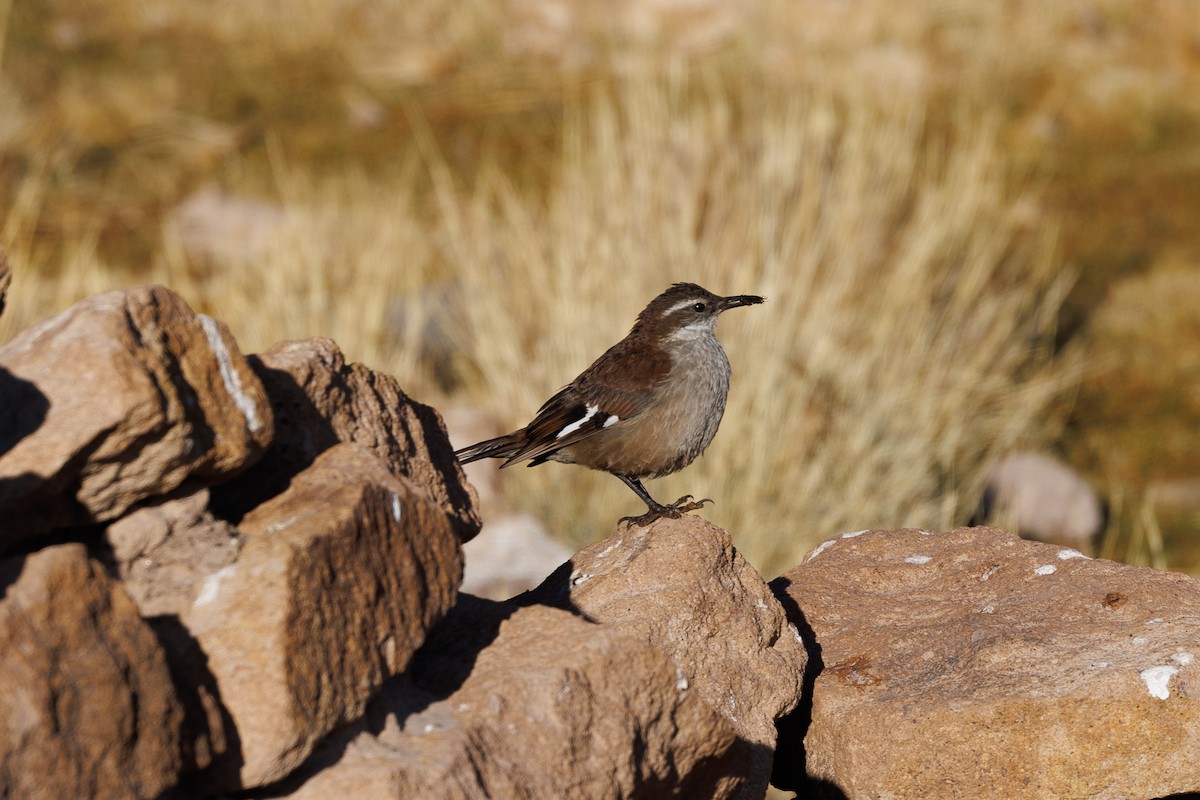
902 345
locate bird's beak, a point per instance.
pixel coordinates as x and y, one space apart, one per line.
740 300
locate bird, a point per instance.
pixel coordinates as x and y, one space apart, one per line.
645 408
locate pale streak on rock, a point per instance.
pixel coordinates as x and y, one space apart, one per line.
233 381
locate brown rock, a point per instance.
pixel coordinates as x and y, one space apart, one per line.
976 664
87 708
337 580
164 550
519 700
120 397
320 400
555 706
681 586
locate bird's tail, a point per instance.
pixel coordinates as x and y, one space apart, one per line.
500 447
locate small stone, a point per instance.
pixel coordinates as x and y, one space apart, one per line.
512 554
1042 498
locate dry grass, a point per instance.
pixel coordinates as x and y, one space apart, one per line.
895 179
899 349
341 255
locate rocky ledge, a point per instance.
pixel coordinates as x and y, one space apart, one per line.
226 574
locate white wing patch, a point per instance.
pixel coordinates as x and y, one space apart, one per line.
612 420
577 424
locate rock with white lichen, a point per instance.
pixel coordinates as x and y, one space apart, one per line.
120 398
712 613
121 420
976 664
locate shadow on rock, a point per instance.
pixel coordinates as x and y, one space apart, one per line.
301 434
23 409
790 770
318 400
438 670
212 751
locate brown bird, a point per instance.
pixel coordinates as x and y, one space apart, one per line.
646 408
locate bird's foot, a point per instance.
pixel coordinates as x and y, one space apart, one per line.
673 511
686 503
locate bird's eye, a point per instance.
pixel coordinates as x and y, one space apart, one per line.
699 307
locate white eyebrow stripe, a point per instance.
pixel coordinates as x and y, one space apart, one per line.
577 424
679 305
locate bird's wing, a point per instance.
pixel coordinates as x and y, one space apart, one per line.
616 387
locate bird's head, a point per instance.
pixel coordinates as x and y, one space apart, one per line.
687 310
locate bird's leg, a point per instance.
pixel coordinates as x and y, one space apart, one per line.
657 509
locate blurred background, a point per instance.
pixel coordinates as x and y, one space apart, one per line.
976 223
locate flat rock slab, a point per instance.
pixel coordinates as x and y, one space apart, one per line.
87 707
119 398
975 664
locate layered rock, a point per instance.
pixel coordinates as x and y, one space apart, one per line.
276 624
120 398
974 663
282 630
87 707
680 585
664 679
321 400
555 706
164 550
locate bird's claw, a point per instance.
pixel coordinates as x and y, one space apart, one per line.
686 503
673 511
